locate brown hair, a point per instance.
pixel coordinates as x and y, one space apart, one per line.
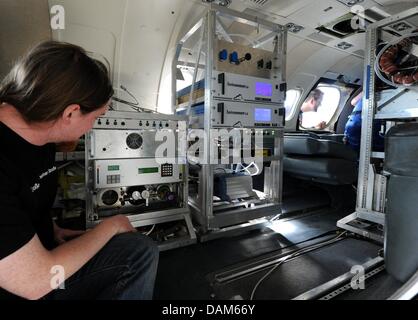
317 95
52 76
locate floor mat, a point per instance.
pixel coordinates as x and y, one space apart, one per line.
182 272
302 273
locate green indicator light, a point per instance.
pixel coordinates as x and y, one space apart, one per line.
113 168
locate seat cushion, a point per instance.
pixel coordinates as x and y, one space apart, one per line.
324 170
302 144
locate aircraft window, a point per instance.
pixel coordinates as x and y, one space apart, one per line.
319 107
292 98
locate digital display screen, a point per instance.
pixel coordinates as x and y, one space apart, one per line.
262 115
113 168
147 170
263 89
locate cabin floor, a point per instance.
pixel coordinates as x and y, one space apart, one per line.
195 272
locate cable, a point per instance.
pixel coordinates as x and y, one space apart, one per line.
130 94
258 170
152 229
80 165
239 165
65 165
325 234
252 164
134 105
294 254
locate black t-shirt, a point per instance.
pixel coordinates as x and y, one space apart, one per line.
28 185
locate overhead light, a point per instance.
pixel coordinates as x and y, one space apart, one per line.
344 45
294 28
259 3
350 3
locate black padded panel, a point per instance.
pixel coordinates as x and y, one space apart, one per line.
308 146
345 113
401 145
325 170
402 227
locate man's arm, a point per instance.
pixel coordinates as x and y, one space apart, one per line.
63 235
356 99
27 272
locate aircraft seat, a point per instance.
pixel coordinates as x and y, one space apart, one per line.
319 158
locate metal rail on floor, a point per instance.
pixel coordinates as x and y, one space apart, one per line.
339 285
270 262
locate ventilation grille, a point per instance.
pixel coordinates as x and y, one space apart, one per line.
401 26
344 45
134 141
259 2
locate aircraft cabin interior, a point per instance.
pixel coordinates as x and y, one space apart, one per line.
268 148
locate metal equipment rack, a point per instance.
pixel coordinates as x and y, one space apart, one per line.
107 147
395 105
216 217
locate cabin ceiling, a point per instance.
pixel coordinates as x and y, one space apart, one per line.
313 14
138 37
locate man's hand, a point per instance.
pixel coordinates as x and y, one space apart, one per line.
63 235
120 224
321 126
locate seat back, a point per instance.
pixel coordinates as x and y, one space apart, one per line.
307 145
345 114
319 158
